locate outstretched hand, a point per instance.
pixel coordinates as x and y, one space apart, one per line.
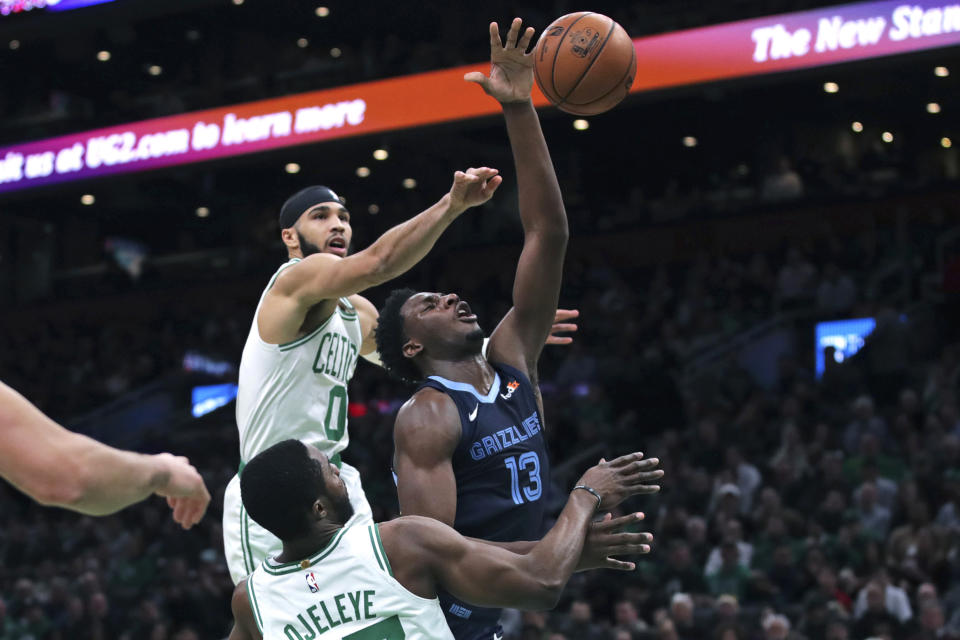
511 67
626 476
607 538
473 187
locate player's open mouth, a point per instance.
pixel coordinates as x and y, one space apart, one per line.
463 313
337 246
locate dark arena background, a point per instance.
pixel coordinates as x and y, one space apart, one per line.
765 252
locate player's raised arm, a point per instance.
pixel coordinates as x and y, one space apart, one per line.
323 276
426 554
59 468
520 337
425 436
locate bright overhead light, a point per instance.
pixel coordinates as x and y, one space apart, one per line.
946 142
580 124
237 2
302 43
363 172
336 52
689 141
941 72
373 209
292 167
322 12
857 127
887 136
933 107
409 183
103 56
203 212
154 69
831 87
380 154
87 199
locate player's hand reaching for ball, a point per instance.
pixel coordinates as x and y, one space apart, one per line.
511 67
608 538
184 490
623 477
473 187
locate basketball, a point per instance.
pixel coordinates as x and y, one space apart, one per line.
585 63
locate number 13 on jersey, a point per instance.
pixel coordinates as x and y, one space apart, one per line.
527 464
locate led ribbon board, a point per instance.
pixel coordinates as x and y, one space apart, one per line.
738 49
10 7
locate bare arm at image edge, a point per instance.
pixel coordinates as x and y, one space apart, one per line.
59 468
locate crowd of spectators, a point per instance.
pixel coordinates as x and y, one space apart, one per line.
792 507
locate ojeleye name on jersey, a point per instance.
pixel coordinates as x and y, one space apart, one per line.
336 611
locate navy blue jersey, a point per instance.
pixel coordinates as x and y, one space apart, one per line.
502 472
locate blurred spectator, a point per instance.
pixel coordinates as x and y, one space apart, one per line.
732 533
795 280
864 422
580 622
731 576
836 294
627 619
874 518
777 627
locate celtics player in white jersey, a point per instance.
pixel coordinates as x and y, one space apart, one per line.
339 578
308 330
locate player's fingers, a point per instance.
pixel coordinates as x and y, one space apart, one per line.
559 327
492 185
642 489
613 524
647 477
558 340
484 172
495 36
618 565
525 39
477 77
565 314
638 466
196 514
513 33
627 459
625 539
629 550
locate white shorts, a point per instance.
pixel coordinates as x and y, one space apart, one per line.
246 544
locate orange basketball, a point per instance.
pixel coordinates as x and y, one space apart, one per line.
585 63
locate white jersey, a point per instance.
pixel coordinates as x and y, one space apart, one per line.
347 590
298 389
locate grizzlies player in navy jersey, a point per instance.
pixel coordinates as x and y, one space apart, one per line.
470 446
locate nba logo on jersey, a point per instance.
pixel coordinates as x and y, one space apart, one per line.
312 582
511 387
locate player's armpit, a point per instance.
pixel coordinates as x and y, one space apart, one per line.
425 435
244 626
368 324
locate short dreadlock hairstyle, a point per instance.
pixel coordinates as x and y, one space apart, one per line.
279 486
391 338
